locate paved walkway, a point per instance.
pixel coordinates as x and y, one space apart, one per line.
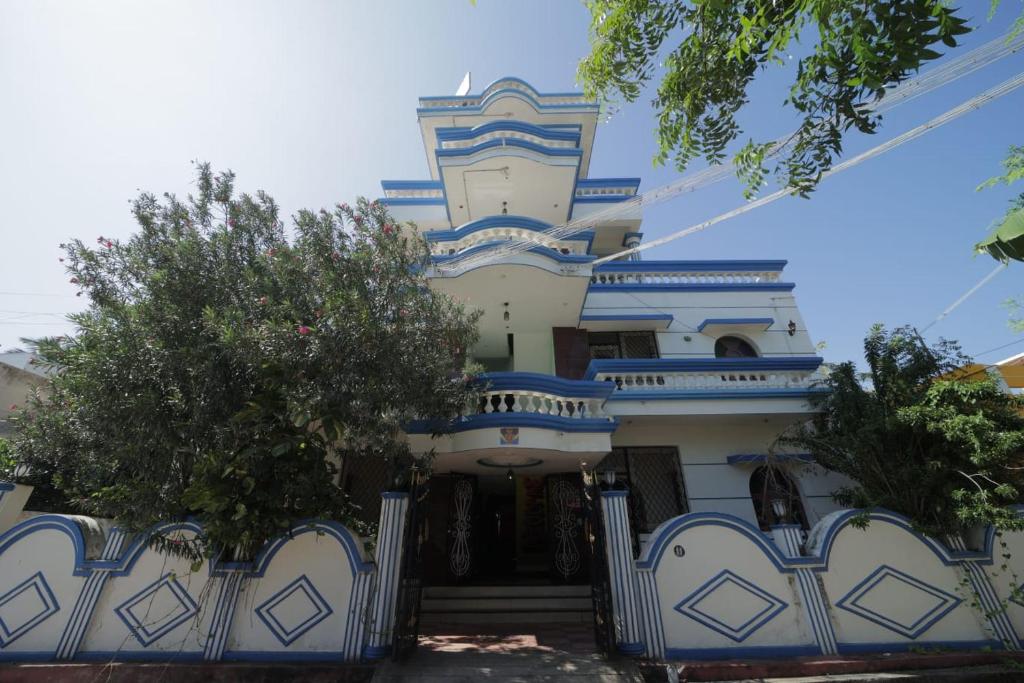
509 653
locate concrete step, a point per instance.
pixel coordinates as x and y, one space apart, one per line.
508 604
435 667
582 617
542 591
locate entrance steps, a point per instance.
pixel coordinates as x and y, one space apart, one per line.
513 604
534 667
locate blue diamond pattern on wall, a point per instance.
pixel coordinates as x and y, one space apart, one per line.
24 607
731 605
898 602
294 610
157 609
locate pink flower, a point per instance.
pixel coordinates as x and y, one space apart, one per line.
357 219
108 244
263 300
13 406
231 222
344 206
387 229
304 330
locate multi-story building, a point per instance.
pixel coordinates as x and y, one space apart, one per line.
678 376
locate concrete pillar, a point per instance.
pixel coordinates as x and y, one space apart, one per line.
622 573
12 500
384 601
788 539
988 599
632 239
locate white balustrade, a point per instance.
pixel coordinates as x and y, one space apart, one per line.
538 403
413 194
600 191
507 134
710 380
575 247
684 277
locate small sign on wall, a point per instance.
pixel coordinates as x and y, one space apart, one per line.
508 436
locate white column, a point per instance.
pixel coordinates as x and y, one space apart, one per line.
383 602
622 573
12 499
788 539
989 603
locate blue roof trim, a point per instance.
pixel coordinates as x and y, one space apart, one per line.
700 395
508 142
735 321
411 185
694 287
689 266
534 420
642 316
701 364
490 86
760 458
603 198
667 531
413 201
536 381
542 250
466 133
581 107
62 523
609 182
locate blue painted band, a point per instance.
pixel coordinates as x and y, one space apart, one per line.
6 486
615 493
412 201
656 365
391 495
694 287
690 266
456 152
750 652
411 185
602 198
486 100
376 651
530 420
556 256
767 322
260 656
138 656
608 182
759 458
464 133
631 649
536 381
713 395
643 316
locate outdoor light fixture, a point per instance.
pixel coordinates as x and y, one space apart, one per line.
791 328
510 474
504 208
506 316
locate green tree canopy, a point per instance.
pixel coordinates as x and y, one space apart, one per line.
707 54
920 440
222 369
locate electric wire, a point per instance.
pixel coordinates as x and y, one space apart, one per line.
963 297
970 105
954 69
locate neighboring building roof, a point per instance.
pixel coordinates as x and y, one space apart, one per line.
21 360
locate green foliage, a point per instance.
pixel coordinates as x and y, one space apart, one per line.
947 452
710 52
222 370
6 460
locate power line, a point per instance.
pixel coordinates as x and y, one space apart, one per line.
951 115
953 69
966 295
1000 348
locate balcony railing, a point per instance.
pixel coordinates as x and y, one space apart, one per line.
699 273
705 376
538 394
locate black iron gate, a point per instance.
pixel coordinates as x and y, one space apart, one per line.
461 546
600 582
568 558
410 581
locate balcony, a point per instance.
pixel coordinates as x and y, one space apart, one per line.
704 382
523 420
689 275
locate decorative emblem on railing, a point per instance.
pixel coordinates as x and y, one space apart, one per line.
460 556
566 498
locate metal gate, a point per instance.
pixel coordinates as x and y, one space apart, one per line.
410 582
568 556
462 501
600 582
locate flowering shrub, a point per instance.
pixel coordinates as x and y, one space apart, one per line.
223 369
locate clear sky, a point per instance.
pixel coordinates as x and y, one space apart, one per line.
314 102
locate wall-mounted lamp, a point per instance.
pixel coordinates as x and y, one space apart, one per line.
791 328
510 474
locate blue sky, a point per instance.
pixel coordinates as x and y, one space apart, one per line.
314 102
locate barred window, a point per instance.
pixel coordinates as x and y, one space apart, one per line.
776 499
640 344
656 489
734 347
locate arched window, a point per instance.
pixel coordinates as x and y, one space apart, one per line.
776 499
733 347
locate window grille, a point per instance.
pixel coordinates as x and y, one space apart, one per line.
656 489
623 345
734 347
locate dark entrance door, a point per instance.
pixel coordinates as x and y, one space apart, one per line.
498 535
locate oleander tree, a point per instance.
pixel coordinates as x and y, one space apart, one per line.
705 56
920 437
224 365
